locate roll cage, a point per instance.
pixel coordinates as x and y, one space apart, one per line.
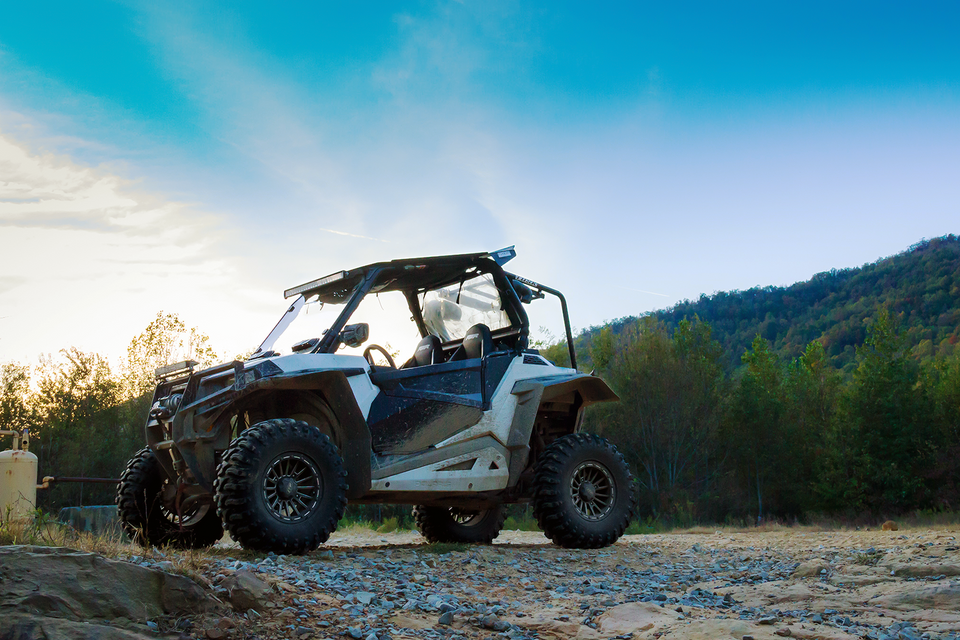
415 276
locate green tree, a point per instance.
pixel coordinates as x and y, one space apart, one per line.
891 421
756 432
166 340
942 379
667 420
812 390
82 431
16 403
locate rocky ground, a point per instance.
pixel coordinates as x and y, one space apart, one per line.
882 585
371 586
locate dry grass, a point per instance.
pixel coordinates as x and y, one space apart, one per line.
356 528
766 527
917 520
46 532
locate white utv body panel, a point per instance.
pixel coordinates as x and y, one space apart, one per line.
485 467
364 391
483 470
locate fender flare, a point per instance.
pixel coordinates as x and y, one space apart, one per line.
532 393
353 435
199 430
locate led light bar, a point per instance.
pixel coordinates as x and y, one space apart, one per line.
171 370
319 282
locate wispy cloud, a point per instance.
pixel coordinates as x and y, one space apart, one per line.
652 293
88 257
349 235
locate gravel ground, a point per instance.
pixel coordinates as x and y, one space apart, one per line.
372 586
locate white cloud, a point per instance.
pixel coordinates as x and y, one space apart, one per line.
88 260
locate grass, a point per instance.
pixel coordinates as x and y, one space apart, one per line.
521 522
389 525
44 530
38 529
867 559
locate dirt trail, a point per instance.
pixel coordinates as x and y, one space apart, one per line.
367 585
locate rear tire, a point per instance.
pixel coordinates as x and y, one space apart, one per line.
281 487
148 522
451 524
583 492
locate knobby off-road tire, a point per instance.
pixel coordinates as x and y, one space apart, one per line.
583 492
281 487
450 524
148 522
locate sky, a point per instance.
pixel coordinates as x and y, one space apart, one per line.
198 158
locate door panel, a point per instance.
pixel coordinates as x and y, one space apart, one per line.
422 406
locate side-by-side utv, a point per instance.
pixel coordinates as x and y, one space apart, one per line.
272 448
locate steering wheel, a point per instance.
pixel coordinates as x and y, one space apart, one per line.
368 354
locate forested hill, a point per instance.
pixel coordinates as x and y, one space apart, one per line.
920 287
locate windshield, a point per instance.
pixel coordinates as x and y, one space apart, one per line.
450 311
387 314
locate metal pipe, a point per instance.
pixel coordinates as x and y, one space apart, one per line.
563 308
94 480
21 439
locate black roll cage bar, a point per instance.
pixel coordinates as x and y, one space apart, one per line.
331 339
503 279
540 290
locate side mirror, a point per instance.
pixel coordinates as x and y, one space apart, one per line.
354 335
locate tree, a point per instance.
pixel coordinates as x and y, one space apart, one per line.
166 340
667 420
890 421
81 430
16 404
755 430
812 393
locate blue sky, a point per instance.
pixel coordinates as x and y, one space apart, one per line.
201 157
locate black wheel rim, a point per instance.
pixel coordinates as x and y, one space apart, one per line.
465 518
592 490
292 487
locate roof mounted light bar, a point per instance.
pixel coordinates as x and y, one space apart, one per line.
314 284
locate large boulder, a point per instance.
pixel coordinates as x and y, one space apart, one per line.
48 588
246 591
21 626
945 596
635 617
922 569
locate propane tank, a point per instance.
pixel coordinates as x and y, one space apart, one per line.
18 484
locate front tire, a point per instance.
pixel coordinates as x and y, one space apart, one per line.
451 524
281 487
148 522
583 492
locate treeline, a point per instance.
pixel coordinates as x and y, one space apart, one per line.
921 286
778 437
86 419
